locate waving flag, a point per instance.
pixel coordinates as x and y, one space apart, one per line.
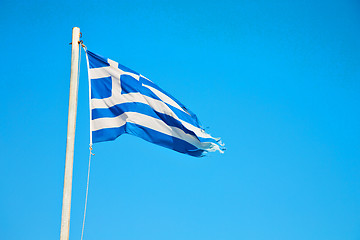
124 101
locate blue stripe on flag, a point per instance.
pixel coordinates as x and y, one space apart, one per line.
96 61
137 107
107 134
119 109
150 135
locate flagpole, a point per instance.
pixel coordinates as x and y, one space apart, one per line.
73 96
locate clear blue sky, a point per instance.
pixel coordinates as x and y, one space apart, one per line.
277 80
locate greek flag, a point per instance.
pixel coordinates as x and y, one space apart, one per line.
124 101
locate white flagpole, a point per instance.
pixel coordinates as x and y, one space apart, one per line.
65 216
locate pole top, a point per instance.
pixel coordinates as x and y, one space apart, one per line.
76 34
76 31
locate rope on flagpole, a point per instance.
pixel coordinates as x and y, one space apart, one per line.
87 191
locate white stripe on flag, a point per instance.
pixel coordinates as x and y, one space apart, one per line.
165 98
157 105
154 124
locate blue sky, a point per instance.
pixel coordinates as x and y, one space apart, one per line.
278 81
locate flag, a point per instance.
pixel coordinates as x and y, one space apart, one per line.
124 101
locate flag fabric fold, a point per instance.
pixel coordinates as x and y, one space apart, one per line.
124 101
